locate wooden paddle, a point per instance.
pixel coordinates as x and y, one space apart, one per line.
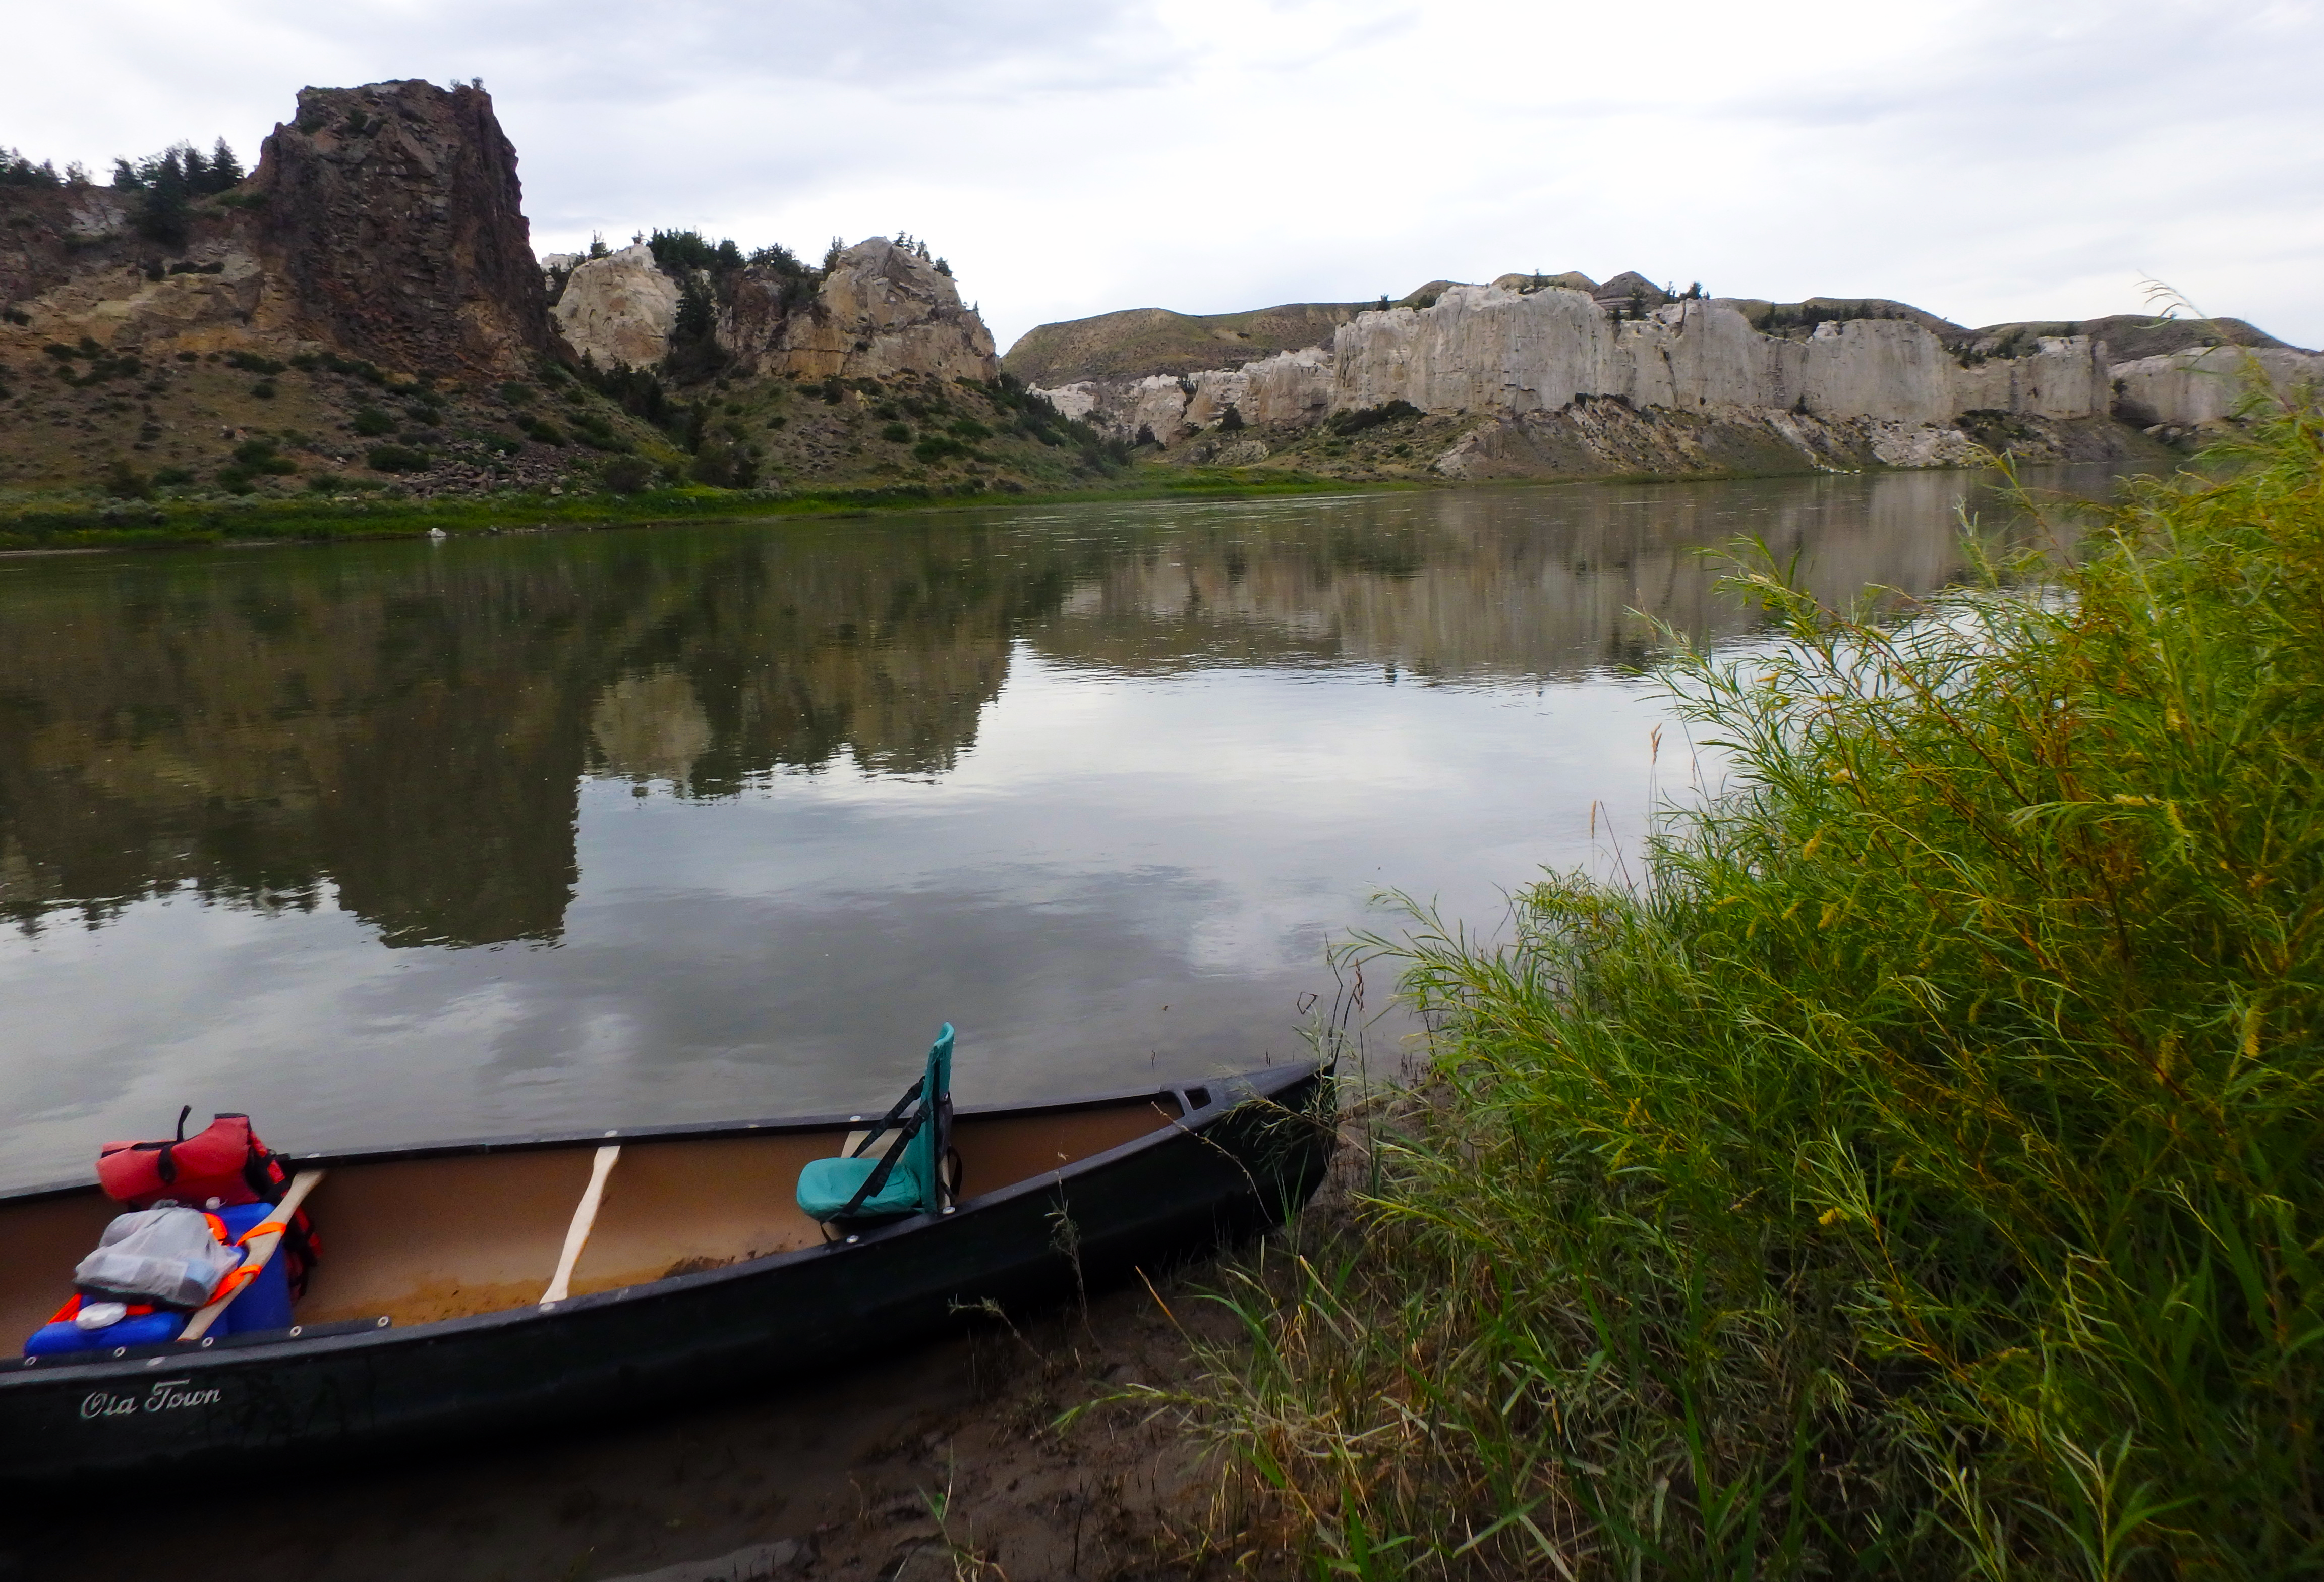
258 1246
576 1235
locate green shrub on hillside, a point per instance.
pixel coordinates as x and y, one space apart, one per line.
1358 418
397 458
678 253
626 474
637 390
1916 1175
724 464
263 455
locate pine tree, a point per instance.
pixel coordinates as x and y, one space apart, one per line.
225 170
161 217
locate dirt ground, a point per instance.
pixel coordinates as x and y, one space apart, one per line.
943 1464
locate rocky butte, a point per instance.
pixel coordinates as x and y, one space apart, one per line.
382 222
1534 375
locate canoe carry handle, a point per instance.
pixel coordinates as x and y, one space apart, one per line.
259 1243
576 1235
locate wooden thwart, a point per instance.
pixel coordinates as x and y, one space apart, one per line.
576 1235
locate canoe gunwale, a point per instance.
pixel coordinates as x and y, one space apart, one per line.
1222 1096
716 1131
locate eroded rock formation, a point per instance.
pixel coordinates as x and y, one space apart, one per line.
881 311
885 310
619 308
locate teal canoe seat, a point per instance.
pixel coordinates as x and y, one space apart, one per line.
827 1186
897 1167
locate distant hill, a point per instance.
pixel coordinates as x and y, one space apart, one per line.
1795 320
1140 341
2132 335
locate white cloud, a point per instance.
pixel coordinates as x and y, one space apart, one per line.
1985 161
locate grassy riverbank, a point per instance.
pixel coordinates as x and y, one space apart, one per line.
1915 1175
165 523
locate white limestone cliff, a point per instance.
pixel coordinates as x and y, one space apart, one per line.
1515 348
1490 350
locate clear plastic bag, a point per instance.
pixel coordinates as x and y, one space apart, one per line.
166 1256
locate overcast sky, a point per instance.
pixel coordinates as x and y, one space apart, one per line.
1989 160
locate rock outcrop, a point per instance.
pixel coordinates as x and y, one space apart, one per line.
619 308
383 223
883 311
390 225
1287 389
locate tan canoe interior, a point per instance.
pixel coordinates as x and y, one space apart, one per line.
420 1240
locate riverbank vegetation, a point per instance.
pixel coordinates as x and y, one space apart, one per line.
1914 1173
135 524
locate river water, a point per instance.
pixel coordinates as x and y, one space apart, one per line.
397 841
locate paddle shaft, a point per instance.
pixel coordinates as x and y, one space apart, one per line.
256 1251
576 1235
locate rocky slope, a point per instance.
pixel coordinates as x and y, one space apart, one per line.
1546 375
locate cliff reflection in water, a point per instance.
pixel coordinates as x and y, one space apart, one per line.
411 726
404 727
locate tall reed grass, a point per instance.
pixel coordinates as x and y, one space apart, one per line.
1922 1173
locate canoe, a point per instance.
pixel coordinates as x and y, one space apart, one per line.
424 1325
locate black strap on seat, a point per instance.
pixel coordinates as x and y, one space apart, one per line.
887 1165
895 1113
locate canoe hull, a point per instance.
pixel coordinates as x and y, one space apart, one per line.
1187 1188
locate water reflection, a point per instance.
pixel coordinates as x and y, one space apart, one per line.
411 724
1095 783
